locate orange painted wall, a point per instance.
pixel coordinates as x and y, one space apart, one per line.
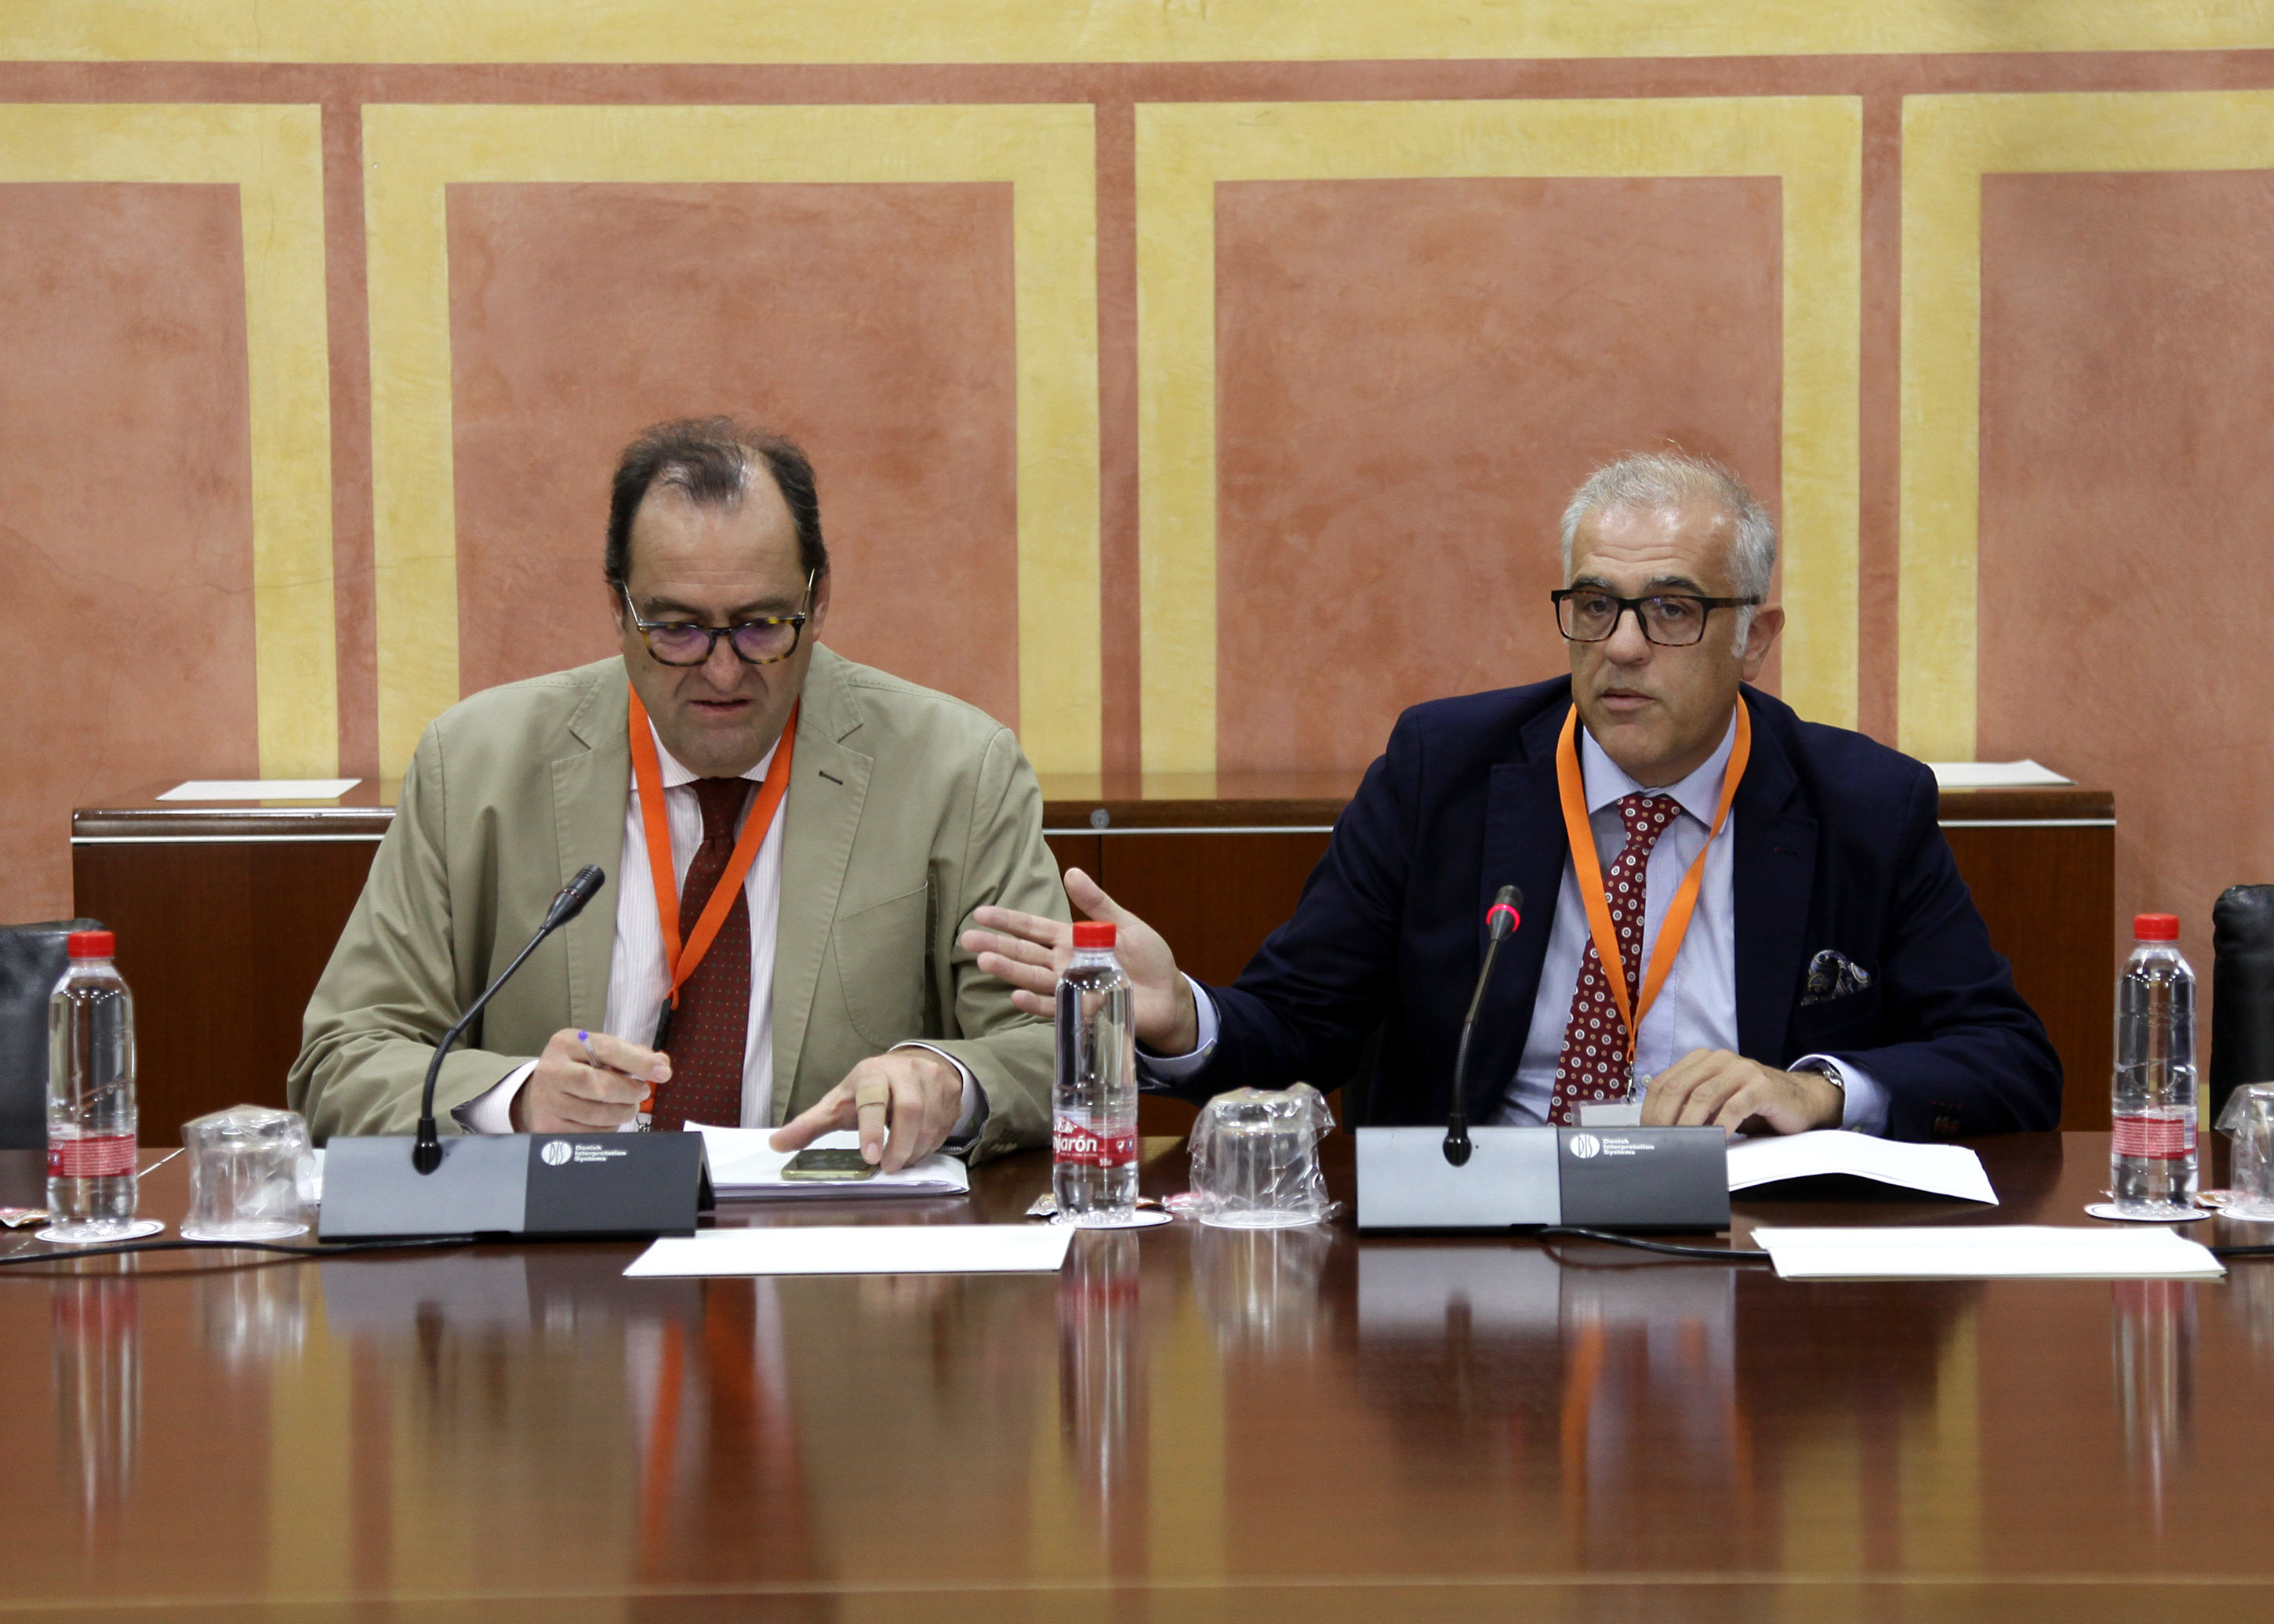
1412 376
1409 376
125 527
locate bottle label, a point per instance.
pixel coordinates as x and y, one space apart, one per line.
2158 1137
102 1155
1071 1141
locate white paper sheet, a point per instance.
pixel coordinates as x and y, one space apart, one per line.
260 789
2017 1252
743 1167
1934 1169
861 1249
1994 775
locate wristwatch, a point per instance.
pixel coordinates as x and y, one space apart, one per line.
1829 1070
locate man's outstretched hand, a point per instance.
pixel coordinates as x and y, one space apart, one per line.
1031 952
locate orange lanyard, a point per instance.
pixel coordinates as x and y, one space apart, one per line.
1572 782
647 771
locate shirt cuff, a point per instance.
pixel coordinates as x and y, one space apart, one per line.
1176 1068
1866 1106
974 1116
493 1112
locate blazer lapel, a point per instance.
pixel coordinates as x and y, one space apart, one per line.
829 781
1774 869
591 788
1523 845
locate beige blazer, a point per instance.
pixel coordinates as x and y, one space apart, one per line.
907 809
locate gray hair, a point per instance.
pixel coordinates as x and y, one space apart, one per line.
1658 480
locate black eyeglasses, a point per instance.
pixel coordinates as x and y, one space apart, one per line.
762 642
1671 619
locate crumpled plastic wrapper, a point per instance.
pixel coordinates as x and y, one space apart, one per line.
1255 1159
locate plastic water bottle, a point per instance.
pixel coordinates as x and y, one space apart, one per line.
1094 1103
2152 1163
91 1123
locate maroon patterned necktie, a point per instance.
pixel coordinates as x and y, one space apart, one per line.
712 1028
1592 1069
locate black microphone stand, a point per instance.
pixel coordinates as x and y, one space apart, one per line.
1500 920
426 1149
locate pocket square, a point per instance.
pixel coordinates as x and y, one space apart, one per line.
1832 974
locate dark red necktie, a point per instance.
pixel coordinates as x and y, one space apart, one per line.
713 1025
1592 1069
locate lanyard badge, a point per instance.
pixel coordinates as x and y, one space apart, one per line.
679 957
1570 783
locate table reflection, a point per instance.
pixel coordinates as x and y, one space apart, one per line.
1104 1408
722 1492
2152 1337
255 1313
2250 1291
1682 1414
96 1355
1258 1288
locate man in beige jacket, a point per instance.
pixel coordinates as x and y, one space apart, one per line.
800 968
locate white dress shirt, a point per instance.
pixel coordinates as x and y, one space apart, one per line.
639 979
1696 1008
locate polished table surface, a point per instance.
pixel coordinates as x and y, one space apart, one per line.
1185 1423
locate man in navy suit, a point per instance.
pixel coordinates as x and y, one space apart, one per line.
1734 916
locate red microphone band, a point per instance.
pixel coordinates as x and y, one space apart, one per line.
1514 918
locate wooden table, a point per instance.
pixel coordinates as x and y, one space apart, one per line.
226 914
1185 1423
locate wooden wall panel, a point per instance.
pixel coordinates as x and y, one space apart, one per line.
222 945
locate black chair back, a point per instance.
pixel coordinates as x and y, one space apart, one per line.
32 960
2243 992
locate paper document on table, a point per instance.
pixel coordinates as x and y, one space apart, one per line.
1994 775
861 1249
2017 1252
260 789
745 1168
1935 1169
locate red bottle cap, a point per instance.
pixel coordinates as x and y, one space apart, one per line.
1092 933
2156 927
91 943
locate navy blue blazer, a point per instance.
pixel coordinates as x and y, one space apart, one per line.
1837 847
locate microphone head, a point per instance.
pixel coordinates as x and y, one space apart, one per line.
582 886
1504 915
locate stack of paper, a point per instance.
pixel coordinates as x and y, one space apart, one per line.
743 1167
1935 1169
2017 1252
260 789
1994 775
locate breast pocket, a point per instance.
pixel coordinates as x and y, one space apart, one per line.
880 953
1852 1022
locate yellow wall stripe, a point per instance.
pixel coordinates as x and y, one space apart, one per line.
1815 143
1046 153
878 31
1949 143
274 156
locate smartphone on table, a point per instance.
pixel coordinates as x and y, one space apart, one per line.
838 1165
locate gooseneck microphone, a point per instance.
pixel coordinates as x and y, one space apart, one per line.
1501 920
426 1150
